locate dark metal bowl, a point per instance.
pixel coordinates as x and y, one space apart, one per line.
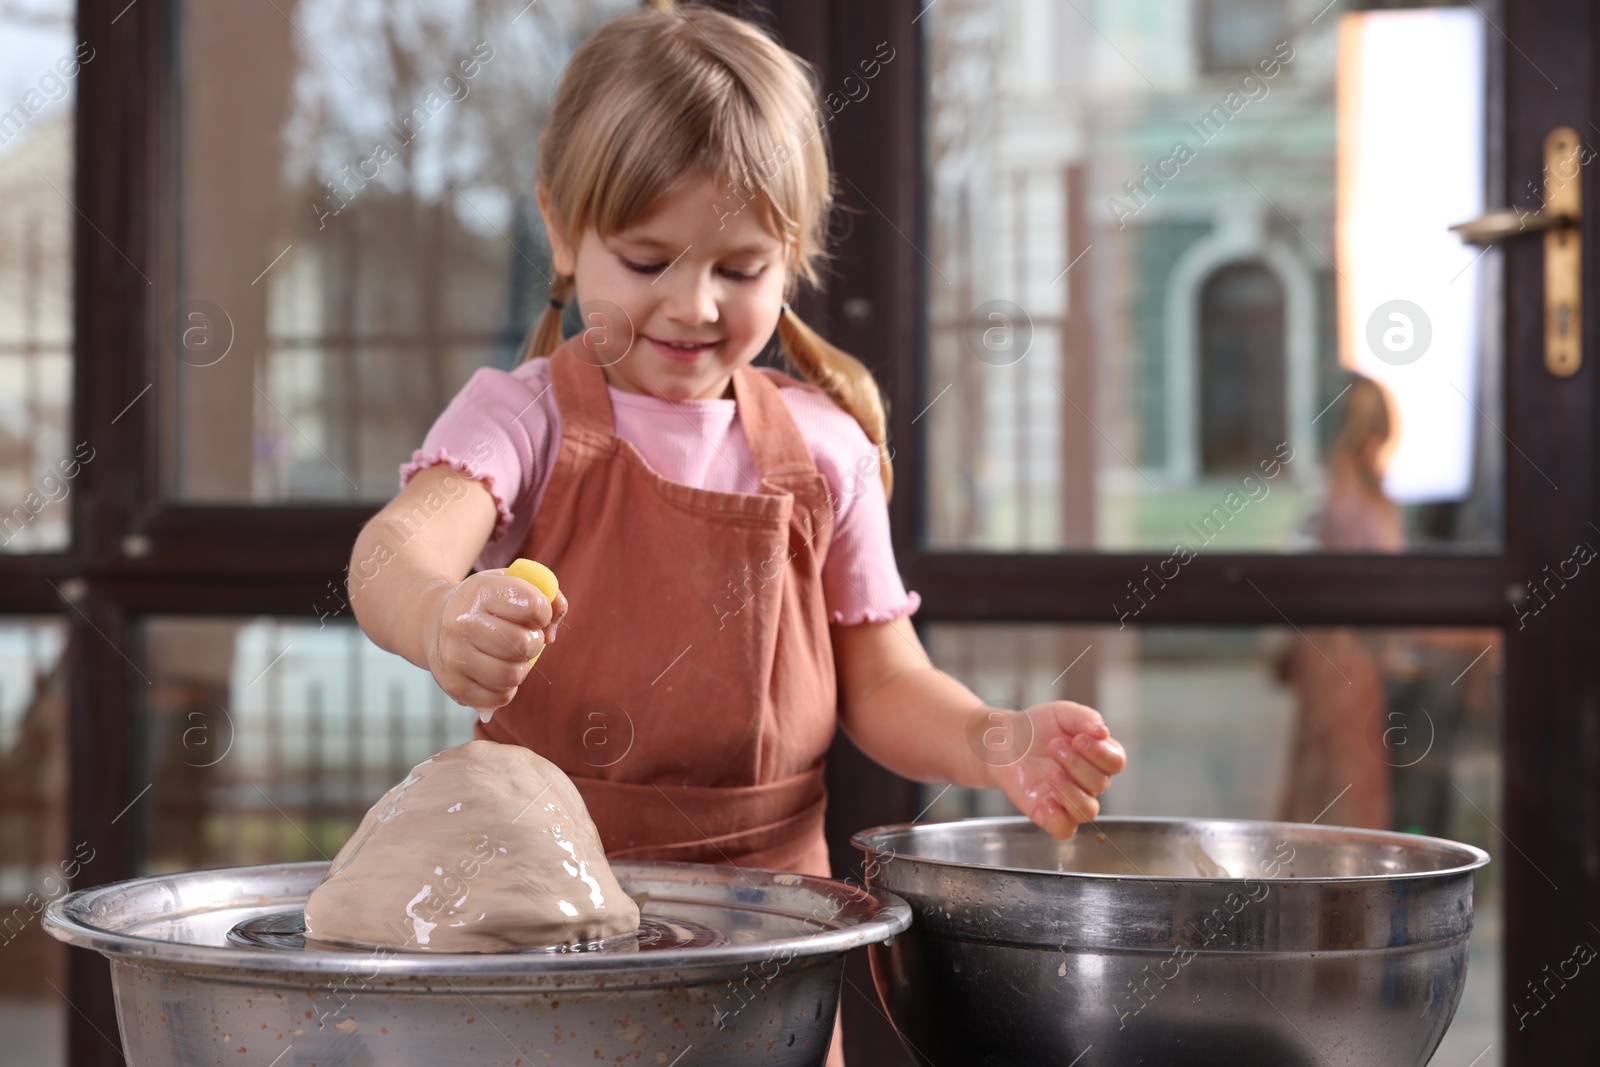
1173 942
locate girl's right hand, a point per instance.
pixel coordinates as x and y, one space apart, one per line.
484 632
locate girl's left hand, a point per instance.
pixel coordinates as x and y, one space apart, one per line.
1069 762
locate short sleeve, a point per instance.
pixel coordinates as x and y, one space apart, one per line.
860 579
501 429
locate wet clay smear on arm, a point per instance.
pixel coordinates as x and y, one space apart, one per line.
482 848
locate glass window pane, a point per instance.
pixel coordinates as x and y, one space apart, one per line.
36 859
1392 729
1233 33
1172 298
268 739
356 231
40 57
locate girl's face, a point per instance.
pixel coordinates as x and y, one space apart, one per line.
699 282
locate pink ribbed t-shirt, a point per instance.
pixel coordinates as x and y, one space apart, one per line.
503 429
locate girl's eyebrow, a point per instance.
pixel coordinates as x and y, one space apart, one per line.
756 249
655 244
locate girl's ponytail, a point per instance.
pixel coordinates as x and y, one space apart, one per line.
546 335
843 377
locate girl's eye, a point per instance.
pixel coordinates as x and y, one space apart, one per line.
727 272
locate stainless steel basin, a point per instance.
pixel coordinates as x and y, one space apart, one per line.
732 967
1172 942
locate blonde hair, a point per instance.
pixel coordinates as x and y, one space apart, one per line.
1368 426
660 94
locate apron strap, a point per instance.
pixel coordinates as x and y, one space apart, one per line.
776 445
581 394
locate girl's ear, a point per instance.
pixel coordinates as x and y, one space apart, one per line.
563 256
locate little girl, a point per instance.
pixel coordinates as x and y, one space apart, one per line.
723 530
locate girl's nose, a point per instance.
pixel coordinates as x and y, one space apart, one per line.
691 297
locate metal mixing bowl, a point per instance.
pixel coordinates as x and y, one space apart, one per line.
733 966
1172 942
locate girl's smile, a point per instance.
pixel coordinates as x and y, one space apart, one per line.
682 351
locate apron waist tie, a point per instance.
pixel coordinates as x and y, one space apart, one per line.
750 826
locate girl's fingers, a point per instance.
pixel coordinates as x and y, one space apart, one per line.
1073 798
513 599
1092 779
1078 719
1056 822
497 675
487 657
1107 754
505 641
473 695
1053 821
559 606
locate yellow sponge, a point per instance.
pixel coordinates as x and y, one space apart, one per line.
541 578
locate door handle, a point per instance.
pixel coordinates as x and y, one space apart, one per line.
1563 248
1492 227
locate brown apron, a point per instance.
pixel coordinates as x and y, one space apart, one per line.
691 695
